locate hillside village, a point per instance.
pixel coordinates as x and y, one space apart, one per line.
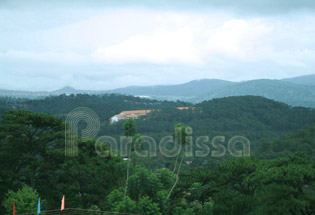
135 114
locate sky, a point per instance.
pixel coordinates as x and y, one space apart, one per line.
105 44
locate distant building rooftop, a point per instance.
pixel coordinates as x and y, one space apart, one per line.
135 114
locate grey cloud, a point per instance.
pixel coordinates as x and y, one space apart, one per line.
247 6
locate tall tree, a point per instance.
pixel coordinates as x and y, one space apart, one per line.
25 139
129 131
181 138
129 127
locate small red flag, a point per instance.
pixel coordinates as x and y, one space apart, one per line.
13 208
63 203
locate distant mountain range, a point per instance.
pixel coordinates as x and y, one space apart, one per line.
298 91
305 79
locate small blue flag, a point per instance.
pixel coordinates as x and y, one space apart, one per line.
38 206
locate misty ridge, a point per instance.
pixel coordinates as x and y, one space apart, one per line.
297 91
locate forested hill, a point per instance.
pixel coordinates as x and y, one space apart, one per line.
104 105
303 141
255 117
238 114
248 109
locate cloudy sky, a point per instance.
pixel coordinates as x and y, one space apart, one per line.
103 44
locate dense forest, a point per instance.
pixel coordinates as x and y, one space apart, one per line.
278 177
105 105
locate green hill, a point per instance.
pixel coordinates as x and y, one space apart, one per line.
289 93
301 141
240 114
105 105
